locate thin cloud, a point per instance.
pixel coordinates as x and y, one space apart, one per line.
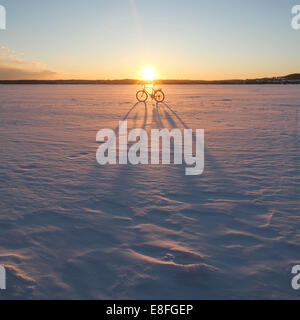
14 67
8 73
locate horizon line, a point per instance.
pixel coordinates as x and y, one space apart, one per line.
292 75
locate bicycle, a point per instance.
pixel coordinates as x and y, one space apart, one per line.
157 95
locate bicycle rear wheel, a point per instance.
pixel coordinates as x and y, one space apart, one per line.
159 96
141 96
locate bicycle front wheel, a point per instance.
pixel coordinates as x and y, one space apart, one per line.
141 96
159 96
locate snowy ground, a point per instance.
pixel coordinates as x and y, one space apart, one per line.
70 228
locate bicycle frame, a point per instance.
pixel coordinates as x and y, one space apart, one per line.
147 87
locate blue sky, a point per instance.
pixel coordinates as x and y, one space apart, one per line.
195 39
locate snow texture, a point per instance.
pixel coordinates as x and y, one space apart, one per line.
72 229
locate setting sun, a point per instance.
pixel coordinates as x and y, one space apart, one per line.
148 73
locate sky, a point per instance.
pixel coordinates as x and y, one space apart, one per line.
180 39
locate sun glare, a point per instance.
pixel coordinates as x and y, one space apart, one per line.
148 74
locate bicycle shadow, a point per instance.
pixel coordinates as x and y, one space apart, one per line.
126 117
125 177
210 161
120 170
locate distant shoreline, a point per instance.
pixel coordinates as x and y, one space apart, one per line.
289 79
125 83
